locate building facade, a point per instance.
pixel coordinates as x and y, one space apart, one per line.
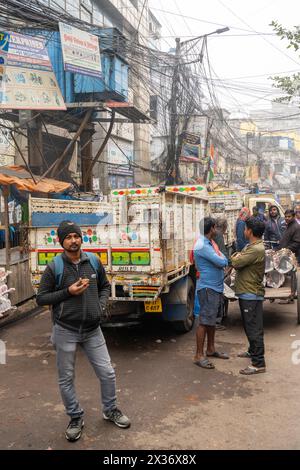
125 160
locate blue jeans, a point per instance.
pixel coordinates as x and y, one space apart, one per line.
93 343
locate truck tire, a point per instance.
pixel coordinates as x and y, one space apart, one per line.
185 325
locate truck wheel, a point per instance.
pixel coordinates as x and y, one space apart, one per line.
185 325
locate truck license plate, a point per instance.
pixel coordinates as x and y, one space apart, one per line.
155 306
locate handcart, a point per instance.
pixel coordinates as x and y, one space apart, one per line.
283 264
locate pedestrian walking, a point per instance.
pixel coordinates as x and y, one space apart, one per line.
241 241
210 262
275 227
291 236
250 269
76 287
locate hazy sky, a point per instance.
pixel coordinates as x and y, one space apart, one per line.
240 55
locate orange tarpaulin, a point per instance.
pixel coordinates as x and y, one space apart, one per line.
21 178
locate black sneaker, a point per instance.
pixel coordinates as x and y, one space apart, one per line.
116 416
74 429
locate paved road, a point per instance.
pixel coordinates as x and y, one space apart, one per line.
172 403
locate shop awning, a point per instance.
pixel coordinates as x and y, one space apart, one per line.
129 111
22 180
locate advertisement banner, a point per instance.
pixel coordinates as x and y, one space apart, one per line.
81 51
28 81
191 146
4 41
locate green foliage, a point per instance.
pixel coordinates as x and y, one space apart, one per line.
292 36
290 85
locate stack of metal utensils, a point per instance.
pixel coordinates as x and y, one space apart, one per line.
278 265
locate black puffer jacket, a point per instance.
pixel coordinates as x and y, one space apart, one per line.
275 228
291 238
77 313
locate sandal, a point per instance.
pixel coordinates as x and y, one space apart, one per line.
251 370
205 363
218 355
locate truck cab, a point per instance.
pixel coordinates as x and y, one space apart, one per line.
263 202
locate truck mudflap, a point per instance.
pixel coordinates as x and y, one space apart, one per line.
178 304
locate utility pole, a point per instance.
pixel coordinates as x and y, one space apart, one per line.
175 140
247 147
172 165
178 138
206 147
259 155
35 145
86 158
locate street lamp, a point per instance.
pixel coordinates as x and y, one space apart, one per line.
179 44
217 31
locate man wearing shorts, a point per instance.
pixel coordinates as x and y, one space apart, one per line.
210 262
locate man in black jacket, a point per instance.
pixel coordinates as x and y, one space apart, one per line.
77 305
291 237
275 227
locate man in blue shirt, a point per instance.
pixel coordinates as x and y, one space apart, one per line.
210 263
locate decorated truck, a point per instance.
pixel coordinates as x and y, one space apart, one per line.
226 204
143 237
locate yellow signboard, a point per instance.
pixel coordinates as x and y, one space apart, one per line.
154 306
45 257
102 255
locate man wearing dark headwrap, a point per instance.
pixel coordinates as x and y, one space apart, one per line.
78 297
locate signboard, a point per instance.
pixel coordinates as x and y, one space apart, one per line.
45 257
7 149
119 164
81 51
28 81
4 41
191 146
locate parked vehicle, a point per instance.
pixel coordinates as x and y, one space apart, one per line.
263 202
226 204
143 237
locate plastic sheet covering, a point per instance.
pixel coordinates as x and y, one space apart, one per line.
269 261
21 178
284 261
274 279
